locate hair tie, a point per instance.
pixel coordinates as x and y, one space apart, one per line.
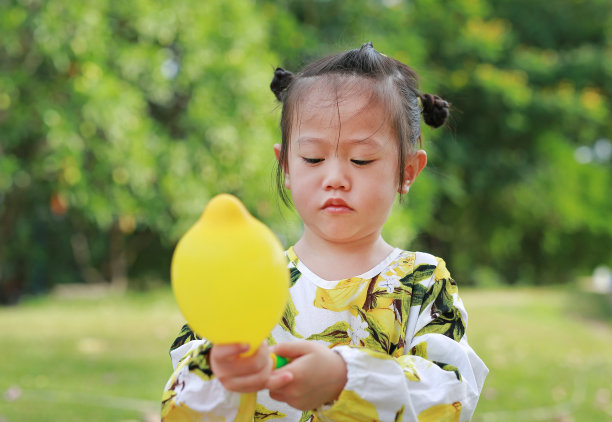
420 104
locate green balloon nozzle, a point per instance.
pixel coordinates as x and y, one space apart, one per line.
279 361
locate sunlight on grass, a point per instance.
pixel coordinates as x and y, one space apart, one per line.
547 362
106 358
87 359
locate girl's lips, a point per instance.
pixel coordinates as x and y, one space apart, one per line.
336 206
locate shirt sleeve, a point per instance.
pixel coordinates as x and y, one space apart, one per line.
438 378
193 392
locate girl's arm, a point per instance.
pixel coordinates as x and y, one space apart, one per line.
193 391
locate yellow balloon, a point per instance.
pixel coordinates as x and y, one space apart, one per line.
229 275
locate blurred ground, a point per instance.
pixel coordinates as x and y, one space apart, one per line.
104 357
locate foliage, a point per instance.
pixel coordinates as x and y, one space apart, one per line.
118 120
516 188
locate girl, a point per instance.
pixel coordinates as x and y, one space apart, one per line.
372 332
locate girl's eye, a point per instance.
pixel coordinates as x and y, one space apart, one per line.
312 160
362 162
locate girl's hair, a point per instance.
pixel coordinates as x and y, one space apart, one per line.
392 83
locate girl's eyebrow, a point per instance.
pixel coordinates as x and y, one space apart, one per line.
365 141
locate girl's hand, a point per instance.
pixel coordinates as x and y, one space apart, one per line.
314 376
239 373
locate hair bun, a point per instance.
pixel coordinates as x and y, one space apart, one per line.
280 82
435 110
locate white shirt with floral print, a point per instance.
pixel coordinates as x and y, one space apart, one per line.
400 327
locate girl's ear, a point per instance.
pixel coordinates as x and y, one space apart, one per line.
415 163
277 151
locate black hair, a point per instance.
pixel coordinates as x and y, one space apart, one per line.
392 82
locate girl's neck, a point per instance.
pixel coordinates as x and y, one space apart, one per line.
337 261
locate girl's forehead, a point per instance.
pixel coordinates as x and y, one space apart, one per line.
332 92
337 103
339 115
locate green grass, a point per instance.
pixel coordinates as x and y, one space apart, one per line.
549 359
106 359
102 359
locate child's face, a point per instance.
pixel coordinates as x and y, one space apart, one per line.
342 166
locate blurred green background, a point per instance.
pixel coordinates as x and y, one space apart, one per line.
119 120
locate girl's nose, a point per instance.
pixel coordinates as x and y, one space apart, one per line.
336 176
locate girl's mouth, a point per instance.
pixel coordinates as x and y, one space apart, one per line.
336 206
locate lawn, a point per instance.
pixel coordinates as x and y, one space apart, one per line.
105 358
550 358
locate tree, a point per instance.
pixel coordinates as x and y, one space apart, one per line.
504 198
119 120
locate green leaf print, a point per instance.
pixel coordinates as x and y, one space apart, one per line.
184 336
404 306
199 364
270 340
294 275
288 320
446 318
370 301
444 302
439 292
377 340
450 368
399 415
396 350
451 325
418 294
419 350
307 416
168 402
336 334
420 273
263 414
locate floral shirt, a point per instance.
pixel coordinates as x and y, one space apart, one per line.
400 328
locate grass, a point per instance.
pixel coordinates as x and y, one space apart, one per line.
549 359
102 359
106 359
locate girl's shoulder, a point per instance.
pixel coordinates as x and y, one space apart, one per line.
423 264
418 259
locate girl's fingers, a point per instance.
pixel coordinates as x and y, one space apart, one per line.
292 349
229 351
279 379
246 384
242 366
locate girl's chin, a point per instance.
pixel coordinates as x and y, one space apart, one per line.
340 236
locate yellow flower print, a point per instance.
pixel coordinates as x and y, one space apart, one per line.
375 354
441 273
345 296
348 406
264 414
385 321
409 368
441 413
182 413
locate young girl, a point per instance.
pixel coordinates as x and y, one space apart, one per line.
372 332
